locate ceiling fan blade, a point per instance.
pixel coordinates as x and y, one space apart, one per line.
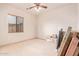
37 4
30 7
43 6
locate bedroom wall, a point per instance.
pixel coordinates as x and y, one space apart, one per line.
41 26
51 21
29 25
78 18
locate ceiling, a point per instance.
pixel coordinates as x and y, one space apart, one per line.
50 6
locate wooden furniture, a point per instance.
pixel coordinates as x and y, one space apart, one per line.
72 49
76 51
65 42
70 44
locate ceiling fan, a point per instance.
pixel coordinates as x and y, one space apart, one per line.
37 6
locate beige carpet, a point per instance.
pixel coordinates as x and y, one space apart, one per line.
34 47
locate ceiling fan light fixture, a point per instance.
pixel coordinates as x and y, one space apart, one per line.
37 9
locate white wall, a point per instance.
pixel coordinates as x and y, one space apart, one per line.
42 25
51 21
29 25
78 18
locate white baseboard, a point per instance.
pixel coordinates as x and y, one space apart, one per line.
15 42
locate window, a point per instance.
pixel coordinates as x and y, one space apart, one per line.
15 24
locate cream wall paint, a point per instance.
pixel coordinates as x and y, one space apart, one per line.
29 25
41 26
51 21
78 18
